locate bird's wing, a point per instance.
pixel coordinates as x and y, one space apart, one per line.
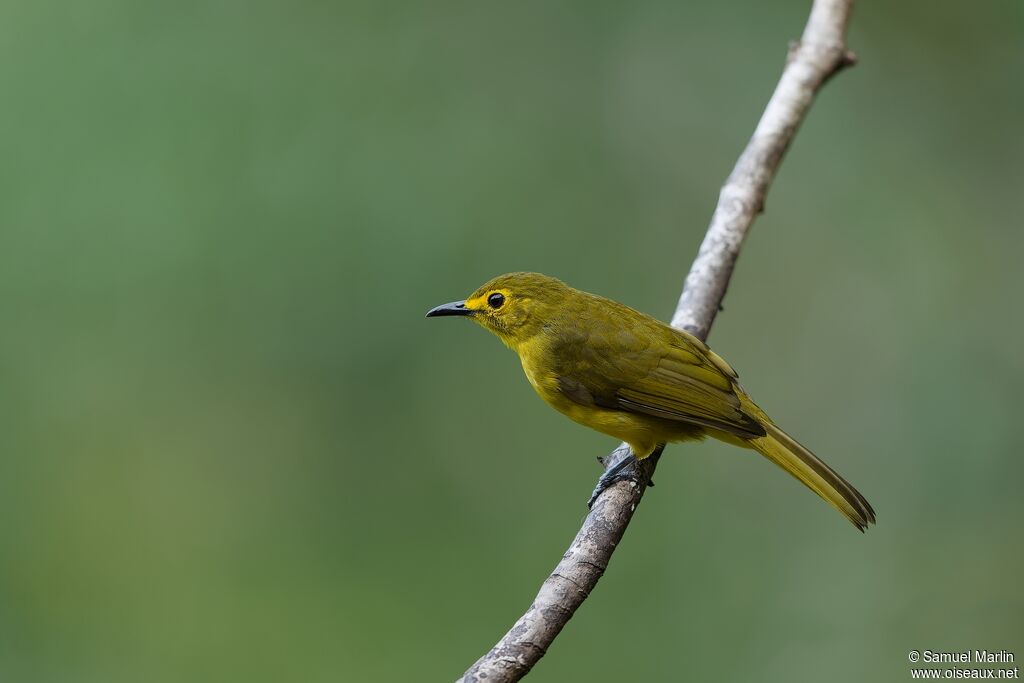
655 370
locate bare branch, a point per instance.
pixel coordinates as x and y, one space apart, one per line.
820 54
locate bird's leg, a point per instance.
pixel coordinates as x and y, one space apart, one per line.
627 469
624 470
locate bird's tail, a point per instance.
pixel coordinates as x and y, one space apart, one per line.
784 451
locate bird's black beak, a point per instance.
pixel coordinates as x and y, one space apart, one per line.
454 308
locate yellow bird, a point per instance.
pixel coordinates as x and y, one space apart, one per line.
633 377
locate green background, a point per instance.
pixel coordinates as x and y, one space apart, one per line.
232 448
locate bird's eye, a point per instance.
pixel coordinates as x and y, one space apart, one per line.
496 300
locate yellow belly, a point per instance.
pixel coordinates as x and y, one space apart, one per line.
642 432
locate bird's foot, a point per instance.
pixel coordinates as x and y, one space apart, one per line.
626 469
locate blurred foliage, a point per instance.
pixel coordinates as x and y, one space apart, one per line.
232 449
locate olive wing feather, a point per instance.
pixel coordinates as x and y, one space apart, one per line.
653 370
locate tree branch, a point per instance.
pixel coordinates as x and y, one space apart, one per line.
820 54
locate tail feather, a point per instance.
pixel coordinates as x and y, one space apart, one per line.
785 452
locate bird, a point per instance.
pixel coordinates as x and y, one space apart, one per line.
630 376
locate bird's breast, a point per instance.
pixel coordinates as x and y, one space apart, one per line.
539 367
533 356
540 370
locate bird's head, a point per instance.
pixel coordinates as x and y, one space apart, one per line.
514 306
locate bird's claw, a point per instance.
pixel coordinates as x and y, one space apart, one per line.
625 470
